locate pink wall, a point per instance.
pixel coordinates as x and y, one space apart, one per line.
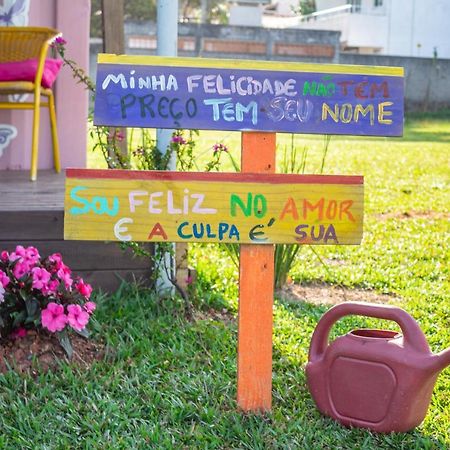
71 17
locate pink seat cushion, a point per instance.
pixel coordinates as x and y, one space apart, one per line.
26 71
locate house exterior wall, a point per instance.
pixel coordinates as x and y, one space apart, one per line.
367 31
72 19
246 14
397 27
417 27
326 4
357 30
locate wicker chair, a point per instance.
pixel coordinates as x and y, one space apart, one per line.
20 44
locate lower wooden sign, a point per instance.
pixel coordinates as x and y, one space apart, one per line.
241 208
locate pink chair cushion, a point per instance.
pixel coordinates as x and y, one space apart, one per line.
26 71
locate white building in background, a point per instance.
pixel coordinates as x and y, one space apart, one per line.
247 12
390 27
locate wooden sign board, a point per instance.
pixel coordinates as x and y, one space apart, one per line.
213 207
252 208
208 94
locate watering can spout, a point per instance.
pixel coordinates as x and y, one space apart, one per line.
442 360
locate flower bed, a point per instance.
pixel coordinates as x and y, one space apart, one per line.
42 294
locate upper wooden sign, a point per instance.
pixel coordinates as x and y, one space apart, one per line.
209 94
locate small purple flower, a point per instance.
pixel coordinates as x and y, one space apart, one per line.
60 41
219 147
177 139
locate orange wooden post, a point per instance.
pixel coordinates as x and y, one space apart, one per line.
256 278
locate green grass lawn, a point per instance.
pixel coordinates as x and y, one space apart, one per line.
170 383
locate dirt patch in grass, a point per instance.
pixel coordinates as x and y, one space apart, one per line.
324 294
38 352
430 215
212 314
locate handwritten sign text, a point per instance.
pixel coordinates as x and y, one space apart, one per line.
155 92
200 207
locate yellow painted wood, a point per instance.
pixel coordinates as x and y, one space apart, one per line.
35 132
54 130
108 209
20 105
279 66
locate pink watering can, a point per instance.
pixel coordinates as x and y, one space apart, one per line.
376 379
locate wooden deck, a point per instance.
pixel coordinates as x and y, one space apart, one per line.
32 213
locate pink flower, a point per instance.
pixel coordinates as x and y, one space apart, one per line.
40 277
50 288
32 255
25 256
4 279
53 317
13 256
20 250
83 288
56 261
4 256
90 307
19 253
18 333
20 269
64 275
77 317
65 268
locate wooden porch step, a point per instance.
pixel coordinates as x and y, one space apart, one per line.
32 213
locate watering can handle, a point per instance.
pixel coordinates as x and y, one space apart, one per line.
413 335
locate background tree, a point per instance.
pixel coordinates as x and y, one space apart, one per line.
208 11
133 9
306 7
204 11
